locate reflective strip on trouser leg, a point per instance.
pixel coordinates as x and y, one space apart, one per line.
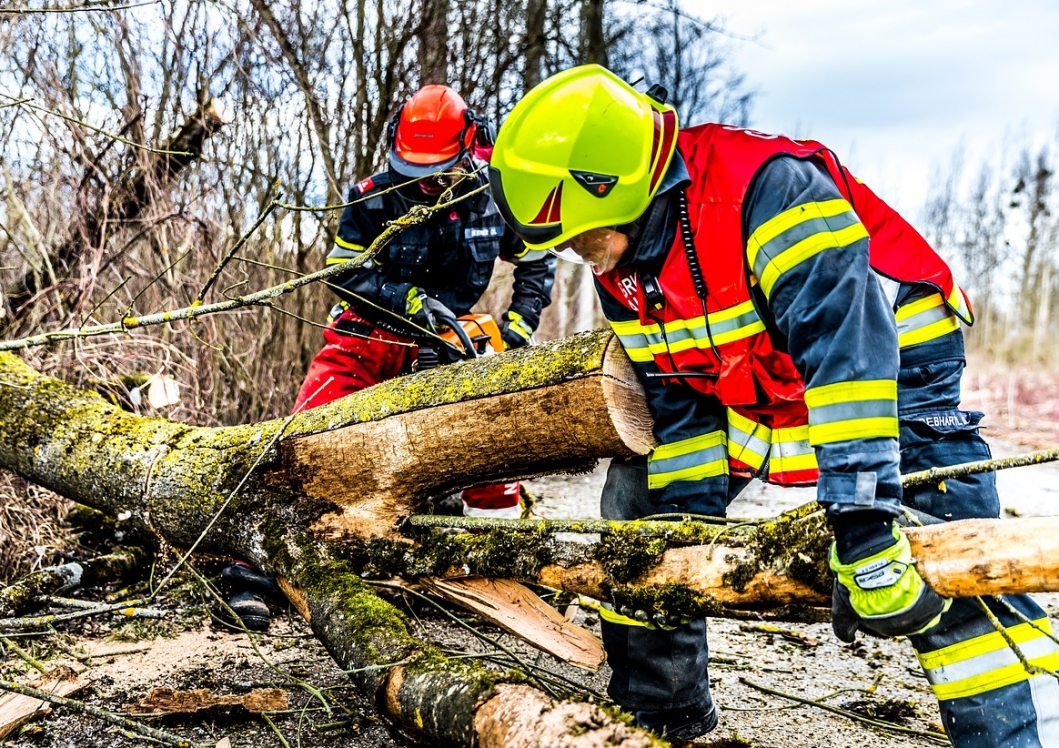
689 460
976 713
987 697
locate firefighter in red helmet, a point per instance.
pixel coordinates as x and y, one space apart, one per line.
389 306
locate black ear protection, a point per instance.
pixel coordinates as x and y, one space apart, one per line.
391 127
485 134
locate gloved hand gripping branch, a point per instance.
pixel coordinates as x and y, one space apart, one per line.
424 310
877 586
515 330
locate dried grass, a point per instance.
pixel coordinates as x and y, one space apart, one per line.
32 533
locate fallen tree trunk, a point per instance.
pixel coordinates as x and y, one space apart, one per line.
273 493
317 500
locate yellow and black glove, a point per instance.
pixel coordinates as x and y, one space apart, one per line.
425 311
881 591
515 330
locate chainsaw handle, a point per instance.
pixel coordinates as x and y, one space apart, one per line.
465 339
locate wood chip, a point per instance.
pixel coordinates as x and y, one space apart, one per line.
16 709
516 609
170 701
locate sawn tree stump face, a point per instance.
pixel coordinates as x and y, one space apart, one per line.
513 424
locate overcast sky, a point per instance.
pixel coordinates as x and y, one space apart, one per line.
893 85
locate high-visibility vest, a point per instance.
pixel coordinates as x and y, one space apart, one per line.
759 384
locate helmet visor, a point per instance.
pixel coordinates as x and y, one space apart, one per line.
567 253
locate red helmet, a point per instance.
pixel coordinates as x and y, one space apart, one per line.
430 132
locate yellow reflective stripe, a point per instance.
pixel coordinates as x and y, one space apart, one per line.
791 217
349 245
986 663
643 342
699 457
957 301
337 260
772 268
844 392
748 441
923 320
852 410
633 340
791 451
863 428
929 332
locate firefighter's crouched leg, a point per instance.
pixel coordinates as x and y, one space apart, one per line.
986 695
659 676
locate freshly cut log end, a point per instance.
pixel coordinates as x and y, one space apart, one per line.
522 717
625 400
376 454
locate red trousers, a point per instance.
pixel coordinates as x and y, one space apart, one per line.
365 356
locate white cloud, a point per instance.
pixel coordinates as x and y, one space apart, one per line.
895 85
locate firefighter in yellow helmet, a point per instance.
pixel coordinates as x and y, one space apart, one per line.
788 325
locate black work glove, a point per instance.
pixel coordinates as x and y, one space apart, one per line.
515 330
424 310
877 587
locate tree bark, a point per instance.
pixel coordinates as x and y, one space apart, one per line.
174 479
317 500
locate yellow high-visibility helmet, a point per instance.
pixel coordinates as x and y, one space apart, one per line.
581 150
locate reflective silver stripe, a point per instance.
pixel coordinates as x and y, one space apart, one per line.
743 445
688 460
1044 693
798 232
635 343
851 411
643 342
924 318
341 253
986 663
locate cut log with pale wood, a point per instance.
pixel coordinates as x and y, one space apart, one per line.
988 557
318 500
281 493
17 709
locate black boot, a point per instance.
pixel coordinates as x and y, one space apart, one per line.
679 724
246 592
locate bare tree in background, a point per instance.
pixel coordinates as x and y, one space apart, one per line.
434 42
1031 197
91 99
686 54
593 37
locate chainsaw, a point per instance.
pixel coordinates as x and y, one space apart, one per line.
461 338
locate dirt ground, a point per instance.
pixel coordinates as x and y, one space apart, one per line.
757 670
